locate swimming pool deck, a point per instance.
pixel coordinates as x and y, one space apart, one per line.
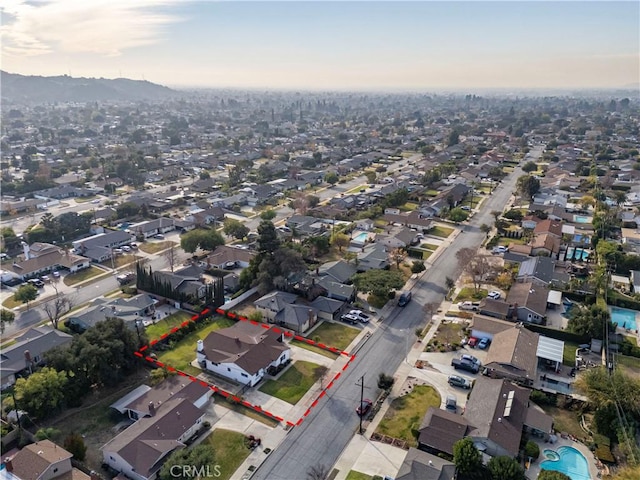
534 470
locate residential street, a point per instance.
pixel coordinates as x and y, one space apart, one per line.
328 429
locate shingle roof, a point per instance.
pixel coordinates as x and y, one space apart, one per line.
526 294
486 411
172 387
440 429
514 349
32 461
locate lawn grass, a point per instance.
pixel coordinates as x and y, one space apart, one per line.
85 199
631 365
429 246
569 354
405 414
12 303
184 352
155 247
431 193
167 323
313 348
565 421
334 334
448 333
230 451
353 475
469 293
295 382
82 275
120 261
409 207
440 231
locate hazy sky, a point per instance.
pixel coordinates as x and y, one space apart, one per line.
328 44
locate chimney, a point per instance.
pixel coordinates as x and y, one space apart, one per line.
152 409
8 464
238 341
94 475
27 357
200 347
310 316
25 249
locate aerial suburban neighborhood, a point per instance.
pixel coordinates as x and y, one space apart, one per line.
319 285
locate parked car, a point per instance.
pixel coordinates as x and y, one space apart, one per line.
471 359
468 306
56 274
499 249
364 407
347 317
494 294
473 342
45 278
483 343
125 278
465 365
363 317
134 246
36 282
451 403
405 297
158 236
126 248
458 381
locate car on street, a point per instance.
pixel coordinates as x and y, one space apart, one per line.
483 343
95 201
363 317
405 297
458 381
466 365
364 407
347 317
494 294
470 358
451 403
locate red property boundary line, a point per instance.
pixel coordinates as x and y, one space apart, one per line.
206 313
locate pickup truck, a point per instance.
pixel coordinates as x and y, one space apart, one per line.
125 278
473 306
466 365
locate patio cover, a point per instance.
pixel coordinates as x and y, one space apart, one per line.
550 349
130 397
554 297
538 420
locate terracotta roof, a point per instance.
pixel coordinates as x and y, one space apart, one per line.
549 226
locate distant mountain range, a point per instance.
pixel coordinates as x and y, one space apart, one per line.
17 88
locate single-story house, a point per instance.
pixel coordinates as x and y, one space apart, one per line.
132 311
512 355
339 270
440 429
419 465
153 227
225 255
40 258
99 248
243 352
483 326
528 302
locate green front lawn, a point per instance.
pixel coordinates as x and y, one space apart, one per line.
120 261
155 247
353 475
334 334
184 352
440 231
313 348
405 414
429 246
569 354
469 293
295 382
12 303
166 324
229 450
82 275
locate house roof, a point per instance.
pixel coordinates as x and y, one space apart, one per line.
339 270
251 347
514 352
226 253
440 429
174 386
328 305
553 227
276 300
336 288
296 314
489 324
541 268
105 239
550 349
50 259
145 443
419 465
487 410
546 241
498 307
33 460
536 418
533 297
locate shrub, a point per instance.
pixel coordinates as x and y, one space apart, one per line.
385 382
604 453
532 450
541 398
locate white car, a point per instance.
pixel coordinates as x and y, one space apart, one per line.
499 249
363 317
494 294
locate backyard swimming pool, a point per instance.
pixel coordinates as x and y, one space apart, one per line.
581 219
361 237
624 318
567 460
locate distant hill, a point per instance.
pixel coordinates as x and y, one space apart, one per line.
17 88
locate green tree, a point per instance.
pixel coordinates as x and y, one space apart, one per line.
418 266
268 214
371 176
466 457
593 321
532 450
235 228
553 475
331 178
6 316
25 294
268 241
47 433
514 214
206 239
528 186
602 389
41 393
197 457
340 240
505 468
454 138
74 444
529 167
380 283
458 215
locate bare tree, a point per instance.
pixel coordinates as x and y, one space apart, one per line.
317 472
397 255
57 306
171 255
476 266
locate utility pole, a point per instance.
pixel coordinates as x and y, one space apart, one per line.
361 401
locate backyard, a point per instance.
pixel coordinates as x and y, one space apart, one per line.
82 275
166 324
405 414
294 382
229 450
155 247
184 352
630 365
569 354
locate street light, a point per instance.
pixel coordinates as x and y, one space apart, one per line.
361 401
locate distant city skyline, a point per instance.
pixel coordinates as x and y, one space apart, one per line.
361 45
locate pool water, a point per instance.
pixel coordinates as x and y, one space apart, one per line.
361 237
624 318
581 219
567 460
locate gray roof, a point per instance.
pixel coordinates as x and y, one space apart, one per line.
513 352
540 268
440 429
533 297
276 300
635 277
295 315
419 465
340 270
106 239
336 288
175 386
328 305
486 411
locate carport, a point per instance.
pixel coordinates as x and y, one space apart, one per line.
550 351
554 299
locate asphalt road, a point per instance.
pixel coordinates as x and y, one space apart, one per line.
330 426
